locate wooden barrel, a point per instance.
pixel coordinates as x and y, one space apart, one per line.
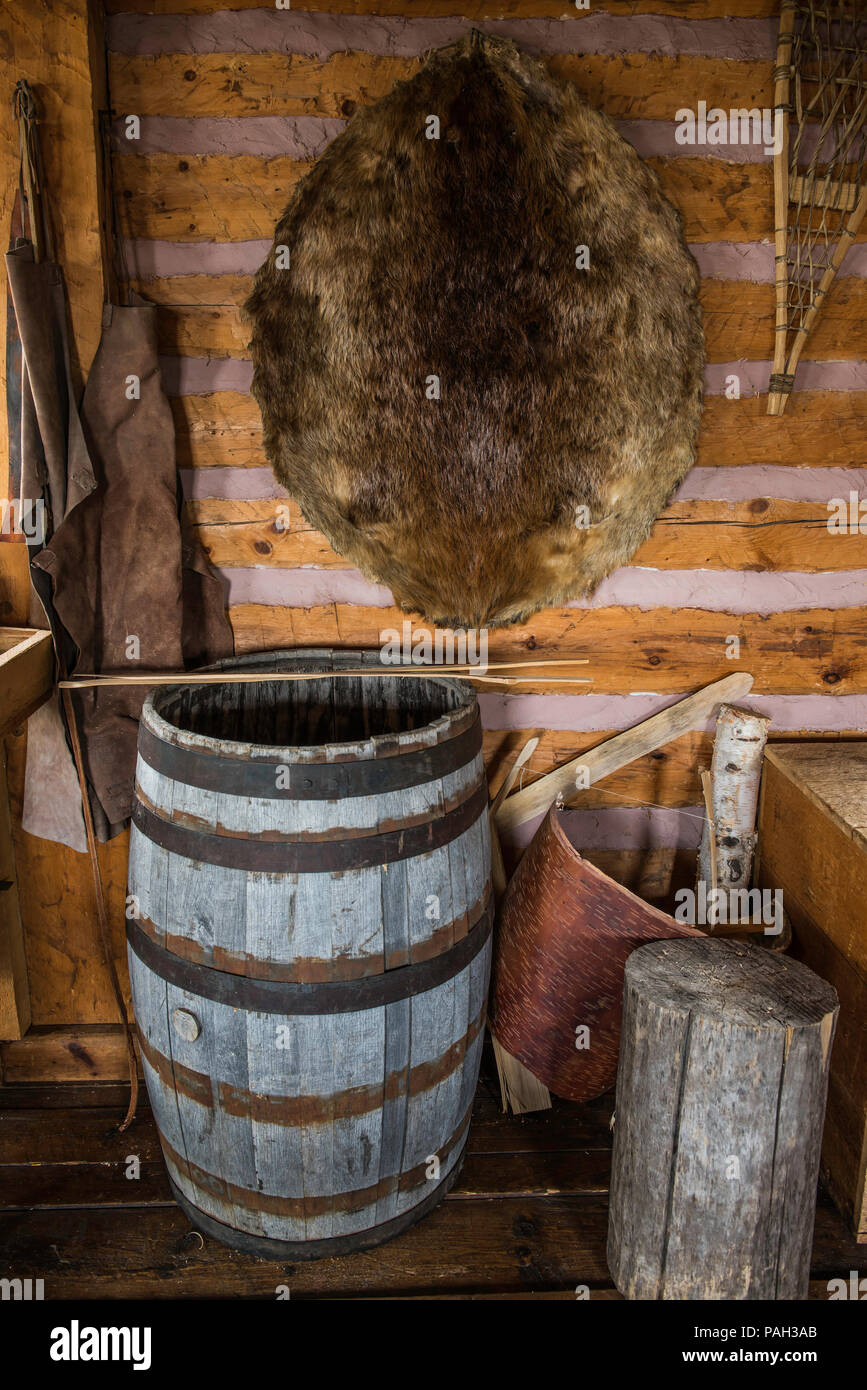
309 945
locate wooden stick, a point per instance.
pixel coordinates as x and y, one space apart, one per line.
155 678
608 757
520 1090
101 910
777 399
512 776
710 827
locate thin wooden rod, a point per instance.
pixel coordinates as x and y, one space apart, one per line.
783 75
101 910
512 775
251 677
707 794
812 191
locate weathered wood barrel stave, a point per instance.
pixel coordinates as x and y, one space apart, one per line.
309 948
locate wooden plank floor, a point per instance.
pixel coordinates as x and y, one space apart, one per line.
527 1219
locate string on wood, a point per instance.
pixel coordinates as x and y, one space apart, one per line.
576 805
820 189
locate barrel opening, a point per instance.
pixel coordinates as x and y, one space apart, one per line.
310 713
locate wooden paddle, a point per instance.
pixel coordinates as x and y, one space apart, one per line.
615 753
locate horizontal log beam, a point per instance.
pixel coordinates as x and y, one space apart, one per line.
466 9
762 534
203 197
842 197
239 197
78 1052
224 429
819 429
818 651
634 86
738 319
222 197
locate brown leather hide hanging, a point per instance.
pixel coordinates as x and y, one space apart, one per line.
467 414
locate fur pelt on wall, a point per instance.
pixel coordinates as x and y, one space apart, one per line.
468 415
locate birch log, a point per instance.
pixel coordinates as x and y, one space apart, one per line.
729 837
721 1089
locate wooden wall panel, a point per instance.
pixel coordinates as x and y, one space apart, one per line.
238 197
650 87
467 9
761 534
224 429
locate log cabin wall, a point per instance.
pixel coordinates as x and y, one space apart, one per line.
235 99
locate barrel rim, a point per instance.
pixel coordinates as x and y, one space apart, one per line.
328 781
444 727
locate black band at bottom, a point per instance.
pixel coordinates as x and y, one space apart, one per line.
267 1249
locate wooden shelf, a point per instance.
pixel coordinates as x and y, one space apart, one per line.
26 674
26 681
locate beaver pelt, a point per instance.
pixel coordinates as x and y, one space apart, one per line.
477 342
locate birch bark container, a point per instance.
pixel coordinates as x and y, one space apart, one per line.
309 947
564 934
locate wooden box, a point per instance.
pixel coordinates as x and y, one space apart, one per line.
813 845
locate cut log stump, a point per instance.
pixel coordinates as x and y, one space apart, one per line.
721 1090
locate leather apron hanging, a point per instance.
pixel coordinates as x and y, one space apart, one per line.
123 585
133 592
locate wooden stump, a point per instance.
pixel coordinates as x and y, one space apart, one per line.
720 1101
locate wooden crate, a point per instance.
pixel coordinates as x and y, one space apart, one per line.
813 845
